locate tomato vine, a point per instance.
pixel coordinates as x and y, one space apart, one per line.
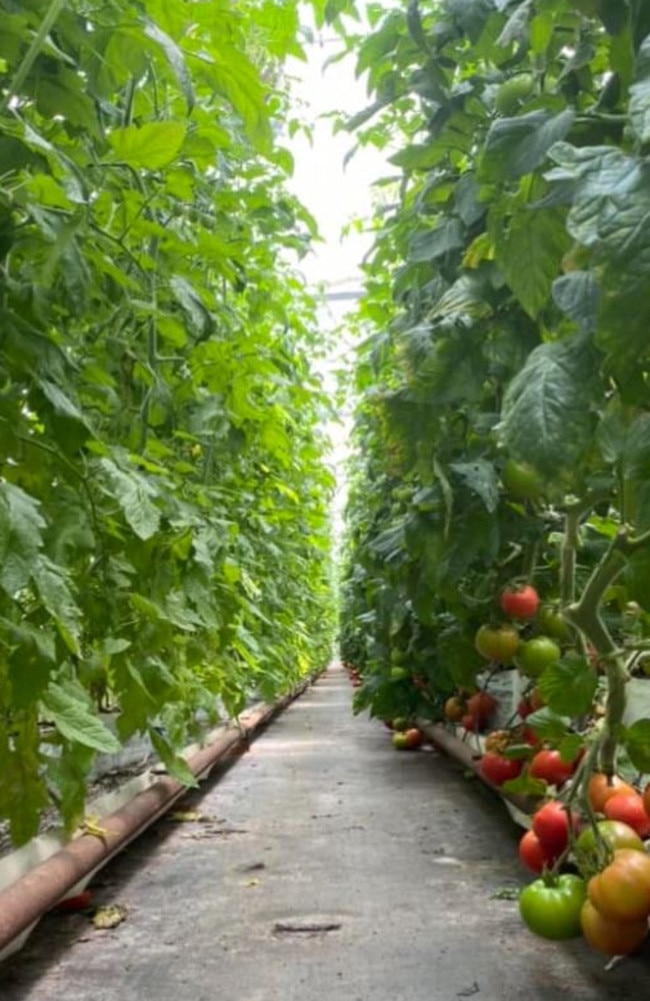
164 533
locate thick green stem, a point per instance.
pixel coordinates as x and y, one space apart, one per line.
568 557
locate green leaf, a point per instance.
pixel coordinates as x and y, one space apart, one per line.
547 417
524 785
76 721
481 478
640 109
549 725
529 253
21 525
569 686
175 58
637 742
53 585
577 294
149 146
517 146
427 246
132 492
175 765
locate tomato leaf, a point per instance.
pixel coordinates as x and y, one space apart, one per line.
569 686
637 742
74 719
524 785
150 146
548 724
516 146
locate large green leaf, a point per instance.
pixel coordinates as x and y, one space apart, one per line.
530 252
517 146
569 686
74 719
150 146
547 416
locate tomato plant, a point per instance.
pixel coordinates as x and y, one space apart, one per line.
521 602
551 907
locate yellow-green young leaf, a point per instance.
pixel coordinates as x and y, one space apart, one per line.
151 146
76 721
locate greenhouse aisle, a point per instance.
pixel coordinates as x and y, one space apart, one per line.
326 867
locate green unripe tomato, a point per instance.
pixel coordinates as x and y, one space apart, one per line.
553 623
534 656
513 92
522 480
552 910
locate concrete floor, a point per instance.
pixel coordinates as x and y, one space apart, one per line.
332 868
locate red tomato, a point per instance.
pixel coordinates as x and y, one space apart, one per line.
614 938
521 602
601 788
413 738
628 808
551 825
548 765
497 769
524 708
481 705
470 723
533 855
76 903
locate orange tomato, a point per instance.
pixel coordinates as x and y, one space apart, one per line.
601 787
622 890
454 709
614 938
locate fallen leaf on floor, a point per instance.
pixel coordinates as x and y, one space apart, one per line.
506 893
253 867
110 916
305 927
191 817
252 882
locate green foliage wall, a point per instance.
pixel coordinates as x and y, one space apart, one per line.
163 500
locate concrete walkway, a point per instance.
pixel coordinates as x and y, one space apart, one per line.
331 868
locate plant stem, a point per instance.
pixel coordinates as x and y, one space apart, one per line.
31 55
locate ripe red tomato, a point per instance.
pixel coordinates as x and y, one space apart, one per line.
646 799
78 902
548 765
471 723
551 825
521 602
413 738
628 808
622 890
524 708
614 938
497 769
497 643
601 788
481 705
533 855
